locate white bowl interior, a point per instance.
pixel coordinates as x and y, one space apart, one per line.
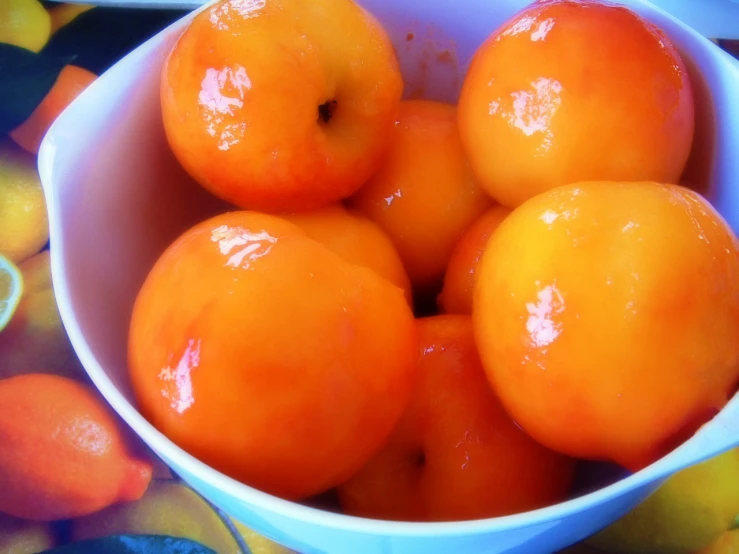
117 198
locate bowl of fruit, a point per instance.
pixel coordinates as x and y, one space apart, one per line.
409 276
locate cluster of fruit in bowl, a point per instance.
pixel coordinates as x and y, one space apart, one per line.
417 303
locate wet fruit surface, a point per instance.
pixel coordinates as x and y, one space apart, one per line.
312 376
355 238
459 278
573 90
607 318
455 444
278 114
424 195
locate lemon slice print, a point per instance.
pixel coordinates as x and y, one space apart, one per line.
11 289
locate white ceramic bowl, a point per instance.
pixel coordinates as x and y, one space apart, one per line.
117 197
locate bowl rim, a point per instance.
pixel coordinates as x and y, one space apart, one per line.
258 500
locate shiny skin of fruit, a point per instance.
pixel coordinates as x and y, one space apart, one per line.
24 225
290 106
35 341
269 357
63 453
24 23
69 85
455 445
170 508
575 90
424 196
607 317
689 511
355 238
18 536
459 278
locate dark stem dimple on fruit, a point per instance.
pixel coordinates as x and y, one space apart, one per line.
326 111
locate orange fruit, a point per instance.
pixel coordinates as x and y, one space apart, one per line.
63 453
575 90
607 317
424 196
69 85
356 239
288 108
459 278
455 444
268 356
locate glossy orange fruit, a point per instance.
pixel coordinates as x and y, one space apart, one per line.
575 90
355 238
459 278
424 196
455 445
607 317
69 85
290 105
269 357
63 453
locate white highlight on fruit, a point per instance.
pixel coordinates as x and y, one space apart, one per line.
541 32
181 396
520 26
629 226
540 325
222 94
533 110
255 245
248 8
221 15
549 217
397 194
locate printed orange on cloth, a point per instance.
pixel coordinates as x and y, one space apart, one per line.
69 85
63 453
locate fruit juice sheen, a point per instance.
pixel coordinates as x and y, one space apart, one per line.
413 295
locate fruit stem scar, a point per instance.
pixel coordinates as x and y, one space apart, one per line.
326 110
420 458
